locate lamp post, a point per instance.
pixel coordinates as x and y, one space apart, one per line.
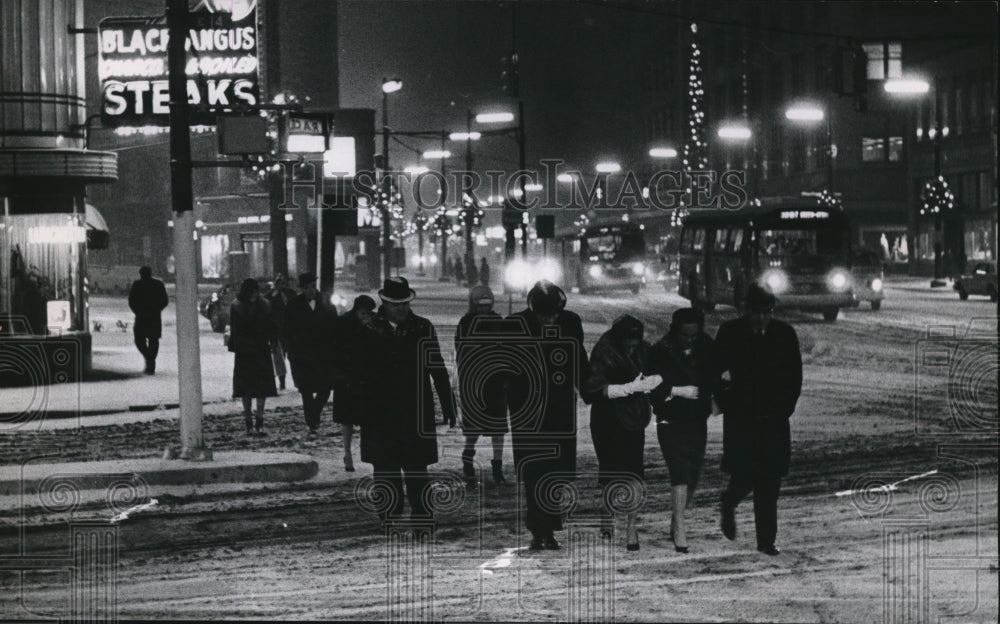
442 154
808 113
389 85
741 132
506 117
910 87
468 214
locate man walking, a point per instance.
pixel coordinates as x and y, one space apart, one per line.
309 331
398 434
761 357
543 410
147 298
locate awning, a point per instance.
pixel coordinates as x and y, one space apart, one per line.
98 236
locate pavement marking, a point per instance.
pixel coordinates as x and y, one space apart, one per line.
885 488
502 561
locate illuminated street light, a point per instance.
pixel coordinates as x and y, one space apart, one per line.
391 85
465 136
533 186
416 169
907 86
804 113
564 177
735 132
494 117
663 152
436 154
608 167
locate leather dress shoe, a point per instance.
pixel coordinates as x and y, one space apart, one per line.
728 522
771 550
550 543
537 543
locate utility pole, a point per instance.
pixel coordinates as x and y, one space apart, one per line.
188 347
385 192
468 214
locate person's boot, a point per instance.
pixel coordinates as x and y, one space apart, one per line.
259 425
281 382
468 468
497 465
248 421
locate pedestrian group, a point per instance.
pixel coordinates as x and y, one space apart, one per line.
523 374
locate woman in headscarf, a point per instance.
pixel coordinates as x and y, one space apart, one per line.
616 383
682 406
250 336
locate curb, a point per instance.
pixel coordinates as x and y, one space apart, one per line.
55 480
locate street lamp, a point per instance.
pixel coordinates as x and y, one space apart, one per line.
507 117
915 86
389 85
808 113
740 132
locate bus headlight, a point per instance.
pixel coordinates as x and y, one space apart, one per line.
595 270
776 280
550 270
877 284
517 274
838 280
638 268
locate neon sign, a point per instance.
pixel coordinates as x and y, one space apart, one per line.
222 66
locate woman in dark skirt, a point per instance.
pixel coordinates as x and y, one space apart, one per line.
480 383
348 401
616 385
682 406
251 333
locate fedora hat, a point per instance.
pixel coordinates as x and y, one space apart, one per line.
760 297
396 290
306 279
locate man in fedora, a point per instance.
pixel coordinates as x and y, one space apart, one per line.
309 330
398 434
759 356
543 411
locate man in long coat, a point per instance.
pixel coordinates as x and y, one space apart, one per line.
762 359
147 298
398 434
309 330
543 411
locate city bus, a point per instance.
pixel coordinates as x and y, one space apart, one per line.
797 248
604 256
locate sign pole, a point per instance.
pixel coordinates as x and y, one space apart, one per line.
186 274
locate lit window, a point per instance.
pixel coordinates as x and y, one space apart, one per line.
872 149
895 149
894 60
885 59
876 61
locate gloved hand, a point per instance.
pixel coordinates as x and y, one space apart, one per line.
684 392
618 391
647 384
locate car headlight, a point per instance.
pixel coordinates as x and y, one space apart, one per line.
638 268
876 284
595 270
776 280
838 280
517 274
549 269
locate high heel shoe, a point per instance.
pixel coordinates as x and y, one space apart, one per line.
681 549
632 547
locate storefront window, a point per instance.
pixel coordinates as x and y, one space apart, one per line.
41 272
214 250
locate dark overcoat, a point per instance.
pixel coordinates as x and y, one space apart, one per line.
766 380
669 361
251 332
481 375
147 298
611 365
541 397
401 365
351 342
309 337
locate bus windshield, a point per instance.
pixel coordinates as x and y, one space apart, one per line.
614 246
805 243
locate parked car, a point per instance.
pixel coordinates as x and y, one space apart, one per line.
215 307
868 273
982 281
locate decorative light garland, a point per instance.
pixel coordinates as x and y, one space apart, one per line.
828 200
694 157
936 197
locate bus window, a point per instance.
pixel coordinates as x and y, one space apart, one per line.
736 240
819 242
720 242
698 242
